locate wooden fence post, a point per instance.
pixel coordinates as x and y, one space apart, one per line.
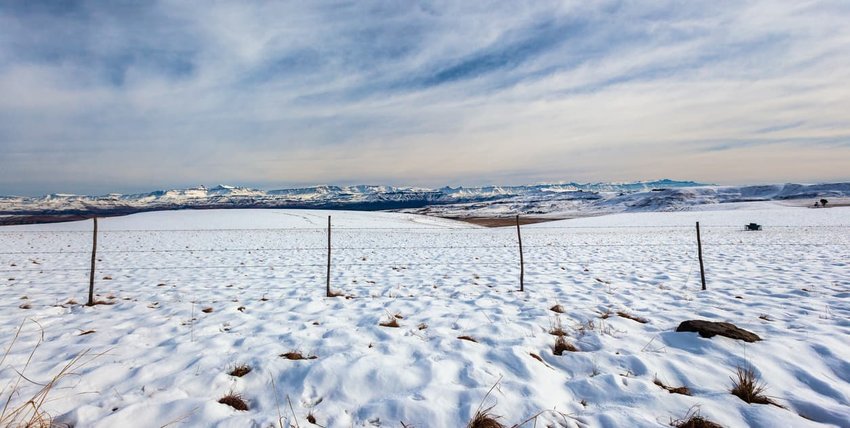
93 260
328 285
699 251
521 261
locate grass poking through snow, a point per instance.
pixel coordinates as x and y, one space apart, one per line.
749 387
295 356
694 420
562 345
240 370
234 400
683 390
484 419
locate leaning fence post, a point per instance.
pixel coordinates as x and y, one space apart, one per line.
521 262
93 260
699 252
328 285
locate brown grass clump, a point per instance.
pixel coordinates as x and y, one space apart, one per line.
295 355
557 308
469 338
484 419
27 410
694 420
207 310
86 332
635 318
562 345
557 328
240 370
25 306
683 390
391 321
311 418
234 400
748 387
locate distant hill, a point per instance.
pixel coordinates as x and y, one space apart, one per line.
538 199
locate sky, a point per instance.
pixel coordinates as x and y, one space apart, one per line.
128 96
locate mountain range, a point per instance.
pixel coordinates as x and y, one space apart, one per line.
539 199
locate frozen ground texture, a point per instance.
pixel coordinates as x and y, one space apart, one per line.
261 273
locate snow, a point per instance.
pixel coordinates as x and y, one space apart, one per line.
161 360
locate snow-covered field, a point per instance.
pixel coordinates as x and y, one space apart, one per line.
198 292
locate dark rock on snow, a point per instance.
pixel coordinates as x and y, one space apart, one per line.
712 328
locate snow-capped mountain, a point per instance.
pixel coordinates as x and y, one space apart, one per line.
539 199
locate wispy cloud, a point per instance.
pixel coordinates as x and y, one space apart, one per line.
131 95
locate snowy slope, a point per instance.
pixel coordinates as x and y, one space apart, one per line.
261 273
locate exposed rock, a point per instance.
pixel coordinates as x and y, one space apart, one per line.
712 328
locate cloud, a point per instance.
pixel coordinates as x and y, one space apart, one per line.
124 96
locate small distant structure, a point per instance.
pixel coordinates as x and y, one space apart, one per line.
752 226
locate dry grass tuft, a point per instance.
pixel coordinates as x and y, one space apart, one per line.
240 370
391 321
557 308
422 326
295 356
683 390
484 419
748 387
311 418
557 328
562 345
25 306
234 400
22 410
334 294
469 338
86 332
694 420
207 310
635 318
